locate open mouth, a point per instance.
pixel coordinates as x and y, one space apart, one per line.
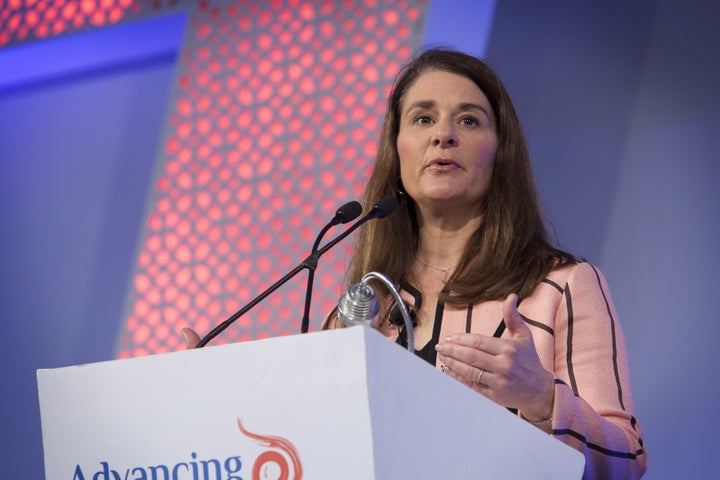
442 162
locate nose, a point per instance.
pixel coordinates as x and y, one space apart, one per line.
444 135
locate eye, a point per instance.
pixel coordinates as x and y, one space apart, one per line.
470 121
422 119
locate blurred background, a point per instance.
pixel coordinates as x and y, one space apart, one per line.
161 163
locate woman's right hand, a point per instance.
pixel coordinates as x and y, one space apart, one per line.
191 338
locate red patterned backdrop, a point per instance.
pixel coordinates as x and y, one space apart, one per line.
22 20
272 125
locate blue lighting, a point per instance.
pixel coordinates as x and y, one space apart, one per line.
89 51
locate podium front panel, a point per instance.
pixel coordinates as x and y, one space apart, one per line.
301 402
344 404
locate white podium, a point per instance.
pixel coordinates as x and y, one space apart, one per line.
342 404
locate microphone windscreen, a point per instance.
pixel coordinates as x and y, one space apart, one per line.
385 207
348 212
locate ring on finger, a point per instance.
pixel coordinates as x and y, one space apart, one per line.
480 374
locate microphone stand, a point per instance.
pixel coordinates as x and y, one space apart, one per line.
311 264
383 208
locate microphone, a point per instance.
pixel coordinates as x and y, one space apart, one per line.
347 213
381 209
359 305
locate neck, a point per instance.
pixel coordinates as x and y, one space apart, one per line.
443 269
442 241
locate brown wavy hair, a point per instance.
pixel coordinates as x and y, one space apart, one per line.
510 251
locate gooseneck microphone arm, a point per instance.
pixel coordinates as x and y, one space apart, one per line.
359 305
347 213
380 210
218 329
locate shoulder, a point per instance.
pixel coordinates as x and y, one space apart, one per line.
577 280
585 290
574 275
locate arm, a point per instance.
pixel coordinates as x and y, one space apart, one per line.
593 410
573 370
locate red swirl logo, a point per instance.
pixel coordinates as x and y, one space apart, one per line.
280 451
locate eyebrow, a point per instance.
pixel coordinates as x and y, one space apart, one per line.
425 104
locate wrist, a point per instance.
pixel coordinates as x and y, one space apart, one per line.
542 409
544 425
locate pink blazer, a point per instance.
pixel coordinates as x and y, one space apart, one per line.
578 338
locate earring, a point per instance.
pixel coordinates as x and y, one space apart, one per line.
400 189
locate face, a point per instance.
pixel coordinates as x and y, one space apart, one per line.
446 142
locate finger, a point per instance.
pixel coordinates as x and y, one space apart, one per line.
513 321
468 372
456 353
482 377
191 338
462 342
469 375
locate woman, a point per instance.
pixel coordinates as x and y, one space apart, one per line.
495 305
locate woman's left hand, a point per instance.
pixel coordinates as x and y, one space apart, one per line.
506 370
